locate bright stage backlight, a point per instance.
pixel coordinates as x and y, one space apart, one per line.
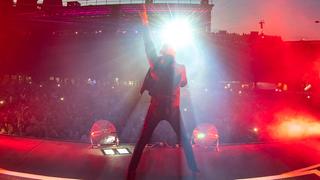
177 33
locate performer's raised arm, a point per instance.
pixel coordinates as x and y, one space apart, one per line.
148 44
183 81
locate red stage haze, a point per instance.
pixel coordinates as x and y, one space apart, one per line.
294 125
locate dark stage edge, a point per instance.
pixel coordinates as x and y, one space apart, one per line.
26 158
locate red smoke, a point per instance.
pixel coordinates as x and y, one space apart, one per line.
294 125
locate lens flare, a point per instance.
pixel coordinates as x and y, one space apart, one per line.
177 33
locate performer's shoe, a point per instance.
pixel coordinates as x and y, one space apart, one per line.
131 175
195 170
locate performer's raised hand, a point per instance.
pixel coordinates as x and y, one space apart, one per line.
144 15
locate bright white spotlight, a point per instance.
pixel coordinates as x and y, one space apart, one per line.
177 33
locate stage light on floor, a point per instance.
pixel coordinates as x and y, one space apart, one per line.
103 132
206 135
255 129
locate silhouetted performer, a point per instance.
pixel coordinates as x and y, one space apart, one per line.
163 81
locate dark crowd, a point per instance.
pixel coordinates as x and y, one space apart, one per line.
57 108
66 108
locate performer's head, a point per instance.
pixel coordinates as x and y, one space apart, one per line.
168 54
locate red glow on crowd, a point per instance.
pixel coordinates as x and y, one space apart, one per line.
293 125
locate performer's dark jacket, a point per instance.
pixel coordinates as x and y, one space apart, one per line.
163 80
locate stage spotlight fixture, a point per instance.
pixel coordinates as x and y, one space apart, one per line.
177 33
206 135
103 132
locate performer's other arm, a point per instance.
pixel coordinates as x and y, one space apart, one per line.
148 44
184 80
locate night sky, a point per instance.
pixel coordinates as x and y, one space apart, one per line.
291 19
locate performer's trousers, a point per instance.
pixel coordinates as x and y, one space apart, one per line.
155 114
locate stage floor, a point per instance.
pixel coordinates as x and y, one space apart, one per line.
26 158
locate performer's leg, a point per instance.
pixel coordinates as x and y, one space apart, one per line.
177 125
150 123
